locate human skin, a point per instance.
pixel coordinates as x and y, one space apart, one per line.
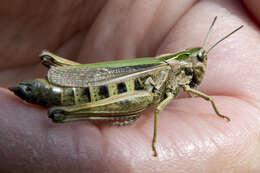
191 138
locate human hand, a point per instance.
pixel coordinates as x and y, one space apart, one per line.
191 138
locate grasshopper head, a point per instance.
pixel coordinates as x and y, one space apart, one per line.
191 65
198 58
31 91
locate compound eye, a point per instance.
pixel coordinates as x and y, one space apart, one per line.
200 57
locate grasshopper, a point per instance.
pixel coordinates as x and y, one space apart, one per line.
117 91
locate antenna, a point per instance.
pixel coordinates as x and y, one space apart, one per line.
210 28
224 38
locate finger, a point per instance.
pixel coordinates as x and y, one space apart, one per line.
127 29
33 26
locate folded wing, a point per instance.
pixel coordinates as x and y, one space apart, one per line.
78 76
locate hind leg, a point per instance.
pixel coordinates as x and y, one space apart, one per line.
126 121
112 108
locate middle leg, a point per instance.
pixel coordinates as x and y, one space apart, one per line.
159 108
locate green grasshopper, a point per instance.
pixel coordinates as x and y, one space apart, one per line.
117 91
